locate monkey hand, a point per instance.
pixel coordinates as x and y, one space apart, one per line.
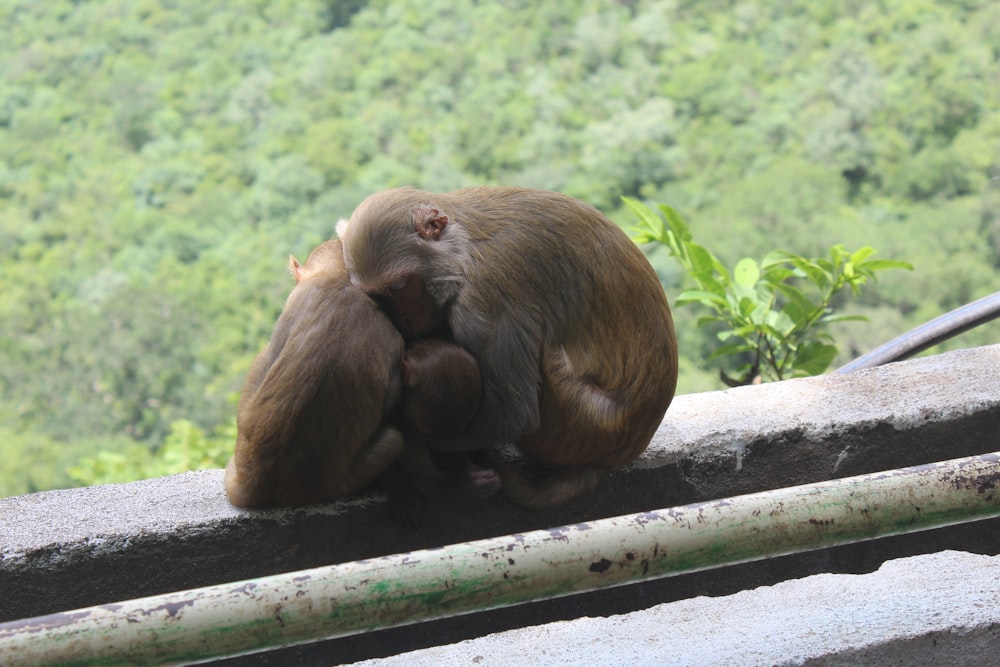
479 482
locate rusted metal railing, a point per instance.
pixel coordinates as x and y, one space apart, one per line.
337 600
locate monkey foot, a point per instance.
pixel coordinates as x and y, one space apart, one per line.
480 482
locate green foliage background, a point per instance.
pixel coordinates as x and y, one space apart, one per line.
159 160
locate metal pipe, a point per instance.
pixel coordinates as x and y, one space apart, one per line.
336 600
927 335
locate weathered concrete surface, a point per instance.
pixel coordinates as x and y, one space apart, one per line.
66 549
940 609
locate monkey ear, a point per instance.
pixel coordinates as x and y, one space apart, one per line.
341 228
295 268
429 222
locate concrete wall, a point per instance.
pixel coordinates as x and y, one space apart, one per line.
65 549
937 609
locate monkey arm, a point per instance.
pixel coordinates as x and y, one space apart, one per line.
509 357
381 450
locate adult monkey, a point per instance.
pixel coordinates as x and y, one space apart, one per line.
568 321
310 419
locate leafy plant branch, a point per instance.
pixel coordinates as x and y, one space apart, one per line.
775 310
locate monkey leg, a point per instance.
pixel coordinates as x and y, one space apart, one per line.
590 417
417 462
552 488
471 478
381 450
411 481
428 474
576 389
406 504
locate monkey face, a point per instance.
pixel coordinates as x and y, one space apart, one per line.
411 307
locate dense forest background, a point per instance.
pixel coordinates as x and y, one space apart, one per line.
160 160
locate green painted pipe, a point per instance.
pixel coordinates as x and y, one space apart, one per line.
336 600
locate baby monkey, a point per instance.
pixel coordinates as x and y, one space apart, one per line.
442 390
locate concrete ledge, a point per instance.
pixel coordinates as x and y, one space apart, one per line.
941 609
66 549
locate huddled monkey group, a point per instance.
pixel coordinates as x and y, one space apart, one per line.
440 326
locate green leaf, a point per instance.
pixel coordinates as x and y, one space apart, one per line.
705 320
746 331
700 296
861 254
795 315
882 264
774 333
710 284
819 275
651 227
746 273
814 358
676 222
781 321
738 347
777 274
837 254
776 257
799 307
702 261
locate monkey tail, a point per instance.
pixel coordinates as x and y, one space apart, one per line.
554 488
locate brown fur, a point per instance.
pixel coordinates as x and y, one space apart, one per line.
568 321
441 396
310 416
441 388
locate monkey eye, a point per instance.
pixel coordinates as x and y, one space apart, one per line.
398 285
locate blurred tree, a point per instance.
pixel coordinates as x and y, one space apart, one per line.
159 161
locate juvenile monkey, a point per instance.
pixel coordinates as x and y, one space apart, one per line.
566 317
441 396
310 418
441 388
